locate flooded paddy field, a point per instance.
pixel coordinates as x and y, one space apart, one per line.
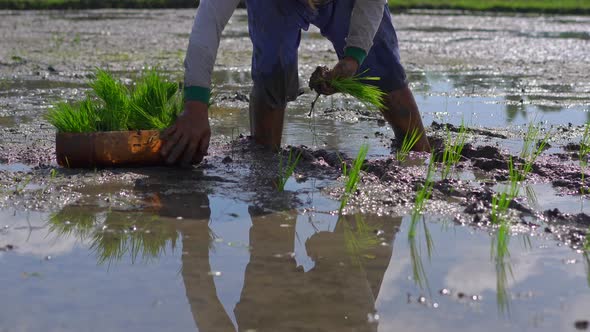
218 248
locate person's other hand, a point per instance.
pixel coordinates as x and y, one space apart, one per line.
187 140
346 67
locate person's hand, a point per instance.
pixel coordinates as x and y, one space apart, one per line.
187 140
346 67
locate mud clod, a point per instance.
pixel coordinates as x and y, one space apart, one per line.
582 325
557 216
489 164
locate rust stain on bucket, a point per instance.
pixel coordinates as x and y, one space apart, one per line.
109 149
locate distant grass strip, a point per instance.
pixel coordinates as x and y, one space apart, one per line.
154 103
532 6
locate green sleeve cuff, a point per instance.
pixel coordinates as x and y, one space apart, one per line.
357 53
197 93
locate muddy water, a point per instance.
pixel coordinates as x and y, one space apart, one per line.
218 249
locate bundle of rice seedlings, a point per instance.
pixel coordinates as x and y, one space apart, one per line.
154 103
354 86
77 118
113 100
365 93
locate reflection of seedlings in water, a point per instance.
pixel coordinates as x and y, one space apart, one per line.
154 103
452 150
73 221
142 235
418 272
531 196
422 196
410 139
583 160
360 240
587 264
21 184
148 241
353 176
501 255
287 169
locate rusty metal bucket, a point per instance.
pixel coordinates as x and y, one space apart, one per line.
109 149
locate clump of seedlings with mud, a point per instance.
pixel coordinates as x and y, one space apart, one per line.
356 86
153 103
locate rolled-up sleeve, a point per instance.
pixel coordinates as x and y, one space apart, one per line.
364 23
212 17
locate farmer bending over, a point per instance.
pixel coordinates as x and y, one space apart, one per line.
360 30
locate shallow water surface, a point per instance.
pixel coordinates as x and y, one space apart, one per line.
226 266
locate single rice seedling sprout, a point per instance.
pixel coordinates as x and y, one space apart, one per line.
532 148
583 157
354 175
501 201
452 150
287 169
410 139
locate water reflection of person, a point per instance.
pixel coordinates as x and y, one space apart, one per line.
207 310
337 294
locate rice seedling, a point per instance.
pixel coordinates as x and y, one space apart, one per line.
533 146
583 155
452 150
286 169
112 98
501 201
410 139
154 103
423 195
22 184
80 117
353 176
